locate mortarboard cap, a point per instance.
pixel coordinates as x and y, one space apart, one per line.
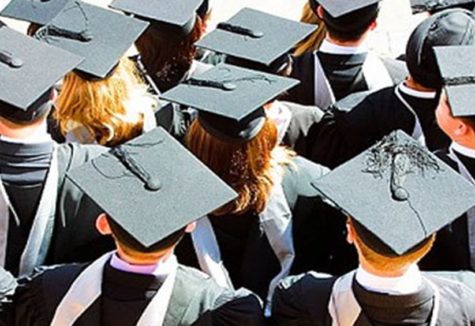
449 27
457 68
434 6
204 9
399 192
256 40
230 99
346 16
28 71
38 12
99 35
176 17
145 186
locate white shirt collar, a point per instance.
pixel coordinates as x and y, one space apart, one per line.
408 283
160 270
39 136
332 48
469 152
414 93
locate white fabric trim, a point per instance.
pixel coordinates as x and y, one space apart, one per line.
465 151
415 93
160 270
408 283
332 48
282 116
417 133
41 135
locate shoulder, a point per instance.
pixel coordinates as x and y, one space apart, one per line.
303 113
302 299
73 155
397 69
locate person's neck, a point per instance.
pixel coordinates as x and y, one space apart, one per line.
33 132
382 273
466 142
349 44
144 259
412 84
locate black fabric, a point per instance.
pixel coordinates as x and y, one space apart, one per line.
344 72
451 248
343 134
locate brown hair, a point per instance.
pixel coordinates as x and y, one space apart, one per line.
385 263
100 105
167 56
250 168
313 41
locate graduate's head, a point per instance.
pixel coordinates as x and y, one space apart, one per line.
348 21
151 190
398 195
106 107
378 255
447 28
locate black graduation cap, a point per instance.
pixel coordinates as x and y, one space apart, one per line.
399 192
99 35
177 16
203 9
34 11
230 99
314 5
434 6
348 15
152 186
28 71
257 37
457 68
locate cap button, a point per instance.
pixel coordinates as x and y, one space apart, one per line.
153 184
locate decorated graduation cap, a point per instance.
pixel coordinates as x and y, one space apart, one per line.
433 6
230 100
449 27
177 17
408 194
256 40
99 35
457 68
39 12
28 71
346 16
145 187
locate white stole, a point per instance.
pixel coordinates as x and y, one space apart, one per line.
39 239
471 212
374 71
276 221
87 287
345 310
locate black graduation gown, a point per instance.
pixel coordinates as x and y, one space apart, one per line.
451 248
344 73
317 233
344 133
196 300
303 300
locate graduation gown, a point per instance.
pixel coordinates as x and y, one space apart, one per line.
451 248
304 300
246 252
343 71
72 235
195 299
344 133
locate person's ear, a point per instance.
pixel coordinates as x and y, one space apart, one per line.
190 227
373 25
350 232
320 12
461 130
102 225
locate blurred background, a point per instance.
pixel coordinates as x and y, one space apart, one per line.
395 21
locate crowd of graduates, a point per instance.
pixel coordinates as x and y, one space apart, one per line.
267 172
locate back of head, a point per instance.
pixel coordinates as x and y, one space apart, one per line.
450 27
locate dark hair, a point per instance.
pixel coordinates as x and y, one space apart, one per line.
36 111
168 56
126 240
352 26
32 29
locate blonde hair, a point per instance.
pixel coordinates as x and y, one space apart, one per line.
385 263
100 105
250 168
312 42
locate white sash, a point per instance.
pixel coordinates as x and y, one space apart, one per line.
39 239
374 71
276 221
418 133
345 309
87 288
471 212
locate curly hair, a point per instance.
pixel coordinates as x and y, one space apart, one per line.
101 105
250 168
